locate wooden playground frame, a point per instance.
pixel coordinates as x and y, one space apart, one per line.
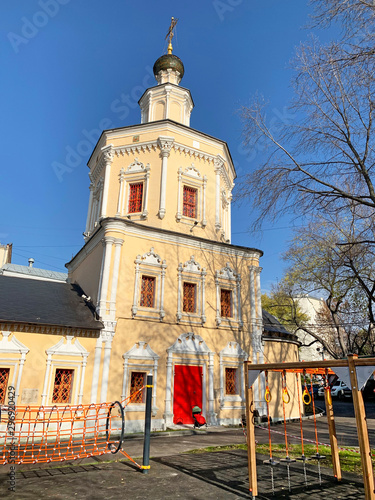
352 362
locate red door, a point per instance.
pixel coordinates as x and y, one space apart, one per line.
187 392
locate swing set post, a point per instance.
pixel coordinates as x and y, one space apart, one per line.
250 438
363 439
332 436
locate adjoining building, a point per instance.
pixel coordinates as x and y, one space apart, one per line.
157 287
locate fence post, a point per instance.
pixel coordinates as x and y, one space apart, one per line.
363 439
146 442
250 435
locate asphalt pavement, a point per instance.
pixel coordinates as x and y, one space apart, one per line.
175 473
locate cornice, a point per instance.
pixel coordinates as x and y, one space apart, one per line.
48 329
169 125
165 235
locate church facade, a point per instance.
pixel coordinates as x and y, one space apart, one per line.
172 296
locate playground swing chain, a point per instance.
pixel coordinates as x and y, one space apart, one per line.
307 398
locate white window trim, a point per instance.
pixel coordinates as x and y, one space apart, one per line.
65 349
191 272
10 345
191 177
227 279
136 172
150 264
141 351
232 356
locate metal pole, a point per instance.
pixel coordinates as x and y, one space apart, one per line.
146 442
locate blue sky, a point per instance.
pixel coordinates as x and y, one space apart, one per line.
72 67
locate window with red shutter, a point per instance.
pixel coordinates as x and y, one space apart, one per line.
62 386
189 297
226 303
137 381
4 376
135 198
231 381
190 202
147 291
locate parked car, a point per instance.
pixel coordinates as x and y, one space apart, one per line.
368 391
338 390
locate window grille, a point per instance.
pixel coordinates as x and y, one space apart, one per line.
190 202
135 198
226 303
147 291
189 297
63 386
230 381
137 381
4 376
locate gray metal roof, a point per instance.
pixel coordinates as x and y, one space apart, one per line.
40 302
27 271
272 325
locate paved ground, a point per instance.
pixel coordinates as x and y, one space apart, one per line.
173 474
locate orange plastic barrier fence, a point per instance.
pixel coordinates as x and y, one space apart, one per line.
36 434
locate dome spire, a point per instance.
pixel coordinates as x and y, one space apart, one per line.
170 34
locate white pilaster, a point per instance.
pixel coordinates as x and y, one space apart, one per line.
109 240
108 159
163 270
46 377
84 363
217 196
138 260
179 292
168 415
211 412
120 201
179 188
22 362
89 212
203 308
204 220
108 337
115 276
96 370
165 144
124 379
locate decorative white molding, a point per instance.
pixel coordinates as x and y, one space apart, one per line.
226 278
14 346
144 147
135 172
11 345
189 343
141 351
165 144
108 155
68 346
192 177
191 272
152 265
193 153
230 351
199 353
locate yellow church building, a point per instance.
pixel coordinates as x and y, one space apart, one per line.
157 287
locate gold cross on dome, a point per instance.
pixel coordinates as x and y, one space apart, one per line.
170 34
